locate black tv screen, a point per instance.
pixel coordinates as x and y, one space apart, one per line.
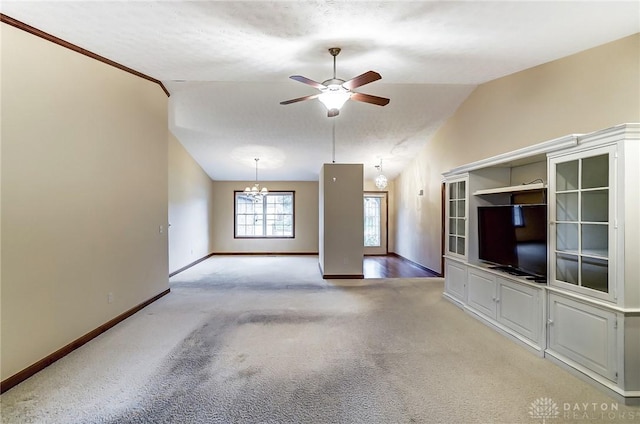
514 236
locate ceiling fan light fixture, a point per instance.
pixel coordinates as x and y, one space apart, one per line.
334 97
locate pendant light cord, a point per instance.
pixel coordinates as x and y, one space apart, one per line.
256 159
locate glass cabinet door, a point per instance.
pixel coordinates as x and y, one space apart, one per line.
582 203
457 217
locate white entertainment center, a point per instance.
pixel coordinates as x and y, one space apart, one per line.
585 316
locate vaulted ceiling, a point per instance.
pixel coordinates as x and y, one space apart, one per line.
227 66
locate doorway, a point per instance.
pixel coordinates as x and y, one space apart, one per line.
375 223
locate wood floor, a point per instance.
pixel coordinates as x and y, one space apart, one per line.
393 267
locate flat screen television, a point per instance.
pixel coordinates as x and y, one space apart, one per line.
514 237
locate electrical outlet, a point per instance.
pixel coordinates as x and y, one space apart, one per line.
161 229
110 297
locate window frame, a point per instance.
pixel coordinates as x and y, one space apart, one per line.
264 215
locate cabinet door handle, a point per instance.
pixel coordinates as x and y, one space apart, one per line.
550 322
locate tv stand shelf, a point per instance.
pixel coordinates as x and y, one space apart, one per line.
511 189
509 273
519 273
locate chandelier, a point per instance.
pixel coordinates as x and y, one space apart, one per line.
381 180
256 192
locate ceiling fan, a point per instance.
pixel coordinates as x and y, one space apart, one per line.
335 92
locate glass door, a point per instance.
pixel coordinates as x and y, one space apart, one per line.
375 223
581 243
457 217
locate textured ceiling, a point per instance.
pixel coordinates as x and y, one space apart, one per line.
227 63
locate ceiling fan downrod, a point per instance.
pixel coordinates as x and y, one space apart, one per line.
334 51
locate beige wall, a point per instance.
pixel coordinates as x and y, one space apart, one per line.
591 90
191 208
84 192
306 219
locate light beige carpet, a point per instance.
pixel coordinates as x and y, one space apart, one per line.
266 340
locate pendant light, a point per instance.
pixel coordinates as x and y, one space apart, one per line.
256 192
381 180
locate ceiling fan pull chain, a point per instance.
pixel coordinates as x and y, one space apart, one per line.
333 153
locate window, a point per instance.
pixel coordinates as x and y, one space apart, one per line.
270 216
518 219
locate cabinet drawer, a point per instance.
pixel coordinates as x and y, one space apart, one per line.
584 334
481 292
